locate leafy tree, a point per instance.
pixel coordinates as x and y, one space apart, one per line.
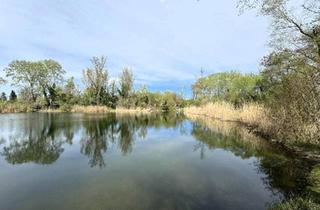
96 80
50 73
23 74
233 87
13 96
36 77
126 83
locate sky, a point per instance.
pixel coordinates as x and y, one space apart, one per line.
165 42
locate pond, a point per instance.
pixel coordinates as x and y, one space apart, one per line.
109 161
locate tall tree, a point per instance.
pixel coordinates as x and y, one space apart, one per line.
50 73
126 83
36 77
23 74
96 78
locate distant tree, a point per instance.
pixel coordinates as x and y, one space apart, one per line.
3 97
126 83
96 79
13 96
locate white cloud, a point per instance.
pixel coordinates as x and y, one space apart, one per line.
161 44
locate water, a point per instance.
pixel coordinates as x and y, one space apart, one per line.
82 161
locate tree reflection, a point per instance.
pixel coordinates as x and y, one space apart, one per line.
282 173
121 130
39 139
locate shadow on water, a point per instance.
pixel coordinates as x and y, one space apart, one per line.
40 138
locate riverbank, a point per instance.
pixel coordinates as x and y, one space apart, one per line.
253 117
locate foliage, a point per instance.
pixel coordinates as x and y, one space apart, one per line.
314 179
36 78
292 96
96 79
296 204
232 87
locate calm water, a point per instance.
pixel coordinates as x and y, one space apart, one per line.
79 161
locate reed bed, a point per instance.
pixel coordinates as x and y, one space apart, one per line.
104 109
250 114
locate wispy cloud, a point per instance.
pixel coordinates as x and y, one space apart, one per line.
160 43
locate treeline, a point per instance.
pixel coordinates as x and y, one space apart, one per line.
42 85
232 87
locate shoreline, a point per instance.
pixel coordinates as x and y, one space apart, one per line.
299 151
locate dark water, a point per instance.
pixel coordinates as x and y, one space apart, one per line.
79 161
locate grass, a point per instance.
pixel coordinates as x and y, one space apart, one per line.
14 107
251 114
104 109
90 109
296 204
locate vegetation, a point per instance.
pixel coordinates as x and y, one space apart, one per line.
42 87
296 204
286 89
232 87
314 179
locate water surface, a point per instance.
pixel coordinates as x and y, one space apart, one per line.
91 161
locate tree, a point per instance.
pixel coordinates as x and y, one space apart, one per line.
36 77
295 24
23 74
50 73
126 83
291 74
3 97
13 96
96 79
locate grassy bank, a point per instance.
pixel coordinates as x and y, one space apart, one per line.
20 107
254 117
250 114
14 107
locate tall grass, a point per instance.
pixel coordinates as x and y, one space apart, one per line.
104 109
251 114
90 109
14 107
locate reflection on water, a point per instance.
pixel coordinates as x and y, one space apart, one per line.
173 163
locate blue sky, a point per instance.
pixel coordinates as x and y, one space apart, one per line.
164 42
